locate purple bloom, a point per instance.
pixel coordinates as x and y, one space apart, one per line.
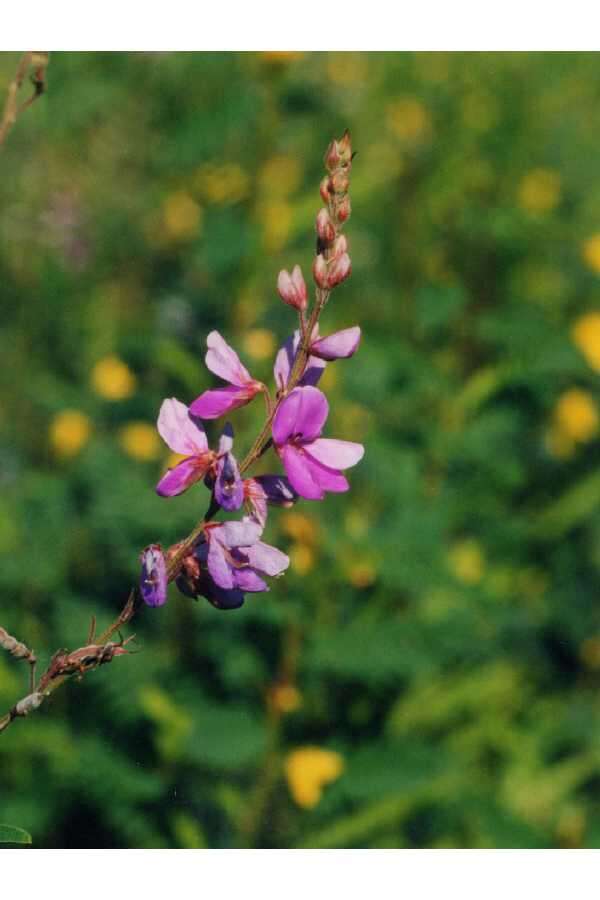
185 436
265 489
340 345
312 463
229 487
232 561
153 578
224 362
284 362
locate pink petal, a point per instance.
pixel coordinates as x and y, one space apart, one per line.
247 580
219 568
327 479
339 345
299 473
301 415
267 559
215 403
239 534
224 361
336 454
178 431
182 476
285 360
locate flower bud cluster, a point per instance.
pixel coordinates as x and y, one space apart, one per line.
332 263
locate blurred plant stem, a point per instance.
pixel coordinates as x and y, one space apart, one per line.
38 60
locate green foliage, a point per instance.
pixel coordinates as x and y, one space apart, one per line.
437 638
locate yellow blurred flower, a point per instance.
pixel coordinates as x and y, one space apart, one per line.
591 253
276 219
362 574
284 698
300 527
69 431
182 216
223 184
140 441
280 176
279 57
539 191
576 415
409 120
356 523
302 558
466 561
308 770
112 379
586 337
260 343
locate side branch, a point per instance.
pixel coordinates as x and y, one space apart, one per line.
38 60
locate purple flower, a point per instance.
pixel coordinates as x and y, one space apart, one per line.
153 578
229 487
312 463
285 360
340 345
232 561
224 362
183 435
265 489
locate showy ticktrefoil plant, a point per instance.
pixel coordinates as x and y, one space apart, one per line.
224 561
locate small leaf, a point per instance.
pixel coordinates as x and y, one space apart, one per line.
11 835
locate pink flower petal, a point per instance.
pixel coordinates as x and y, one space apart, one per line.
224 361
218 402
327 479
285 360
178 431
299 473
267 559
336 454
219 568
339 345
182 476
301 415
239 534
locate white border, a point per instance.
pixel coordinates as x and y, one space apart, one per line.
300 25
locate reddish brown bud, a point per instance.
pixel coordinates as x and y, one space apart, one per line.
344 209
324 189
340 246
292 288
340 183
325 227
344 148
320 271
339 269
332 157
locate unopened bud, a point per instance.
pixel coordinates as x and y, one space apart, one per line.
340 183
344 148
344 209
292 288
339 270
332 157
340 246
320 271
325 227
325 189
28 704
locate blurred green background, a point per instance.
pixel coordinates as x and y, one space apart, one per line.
427 674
